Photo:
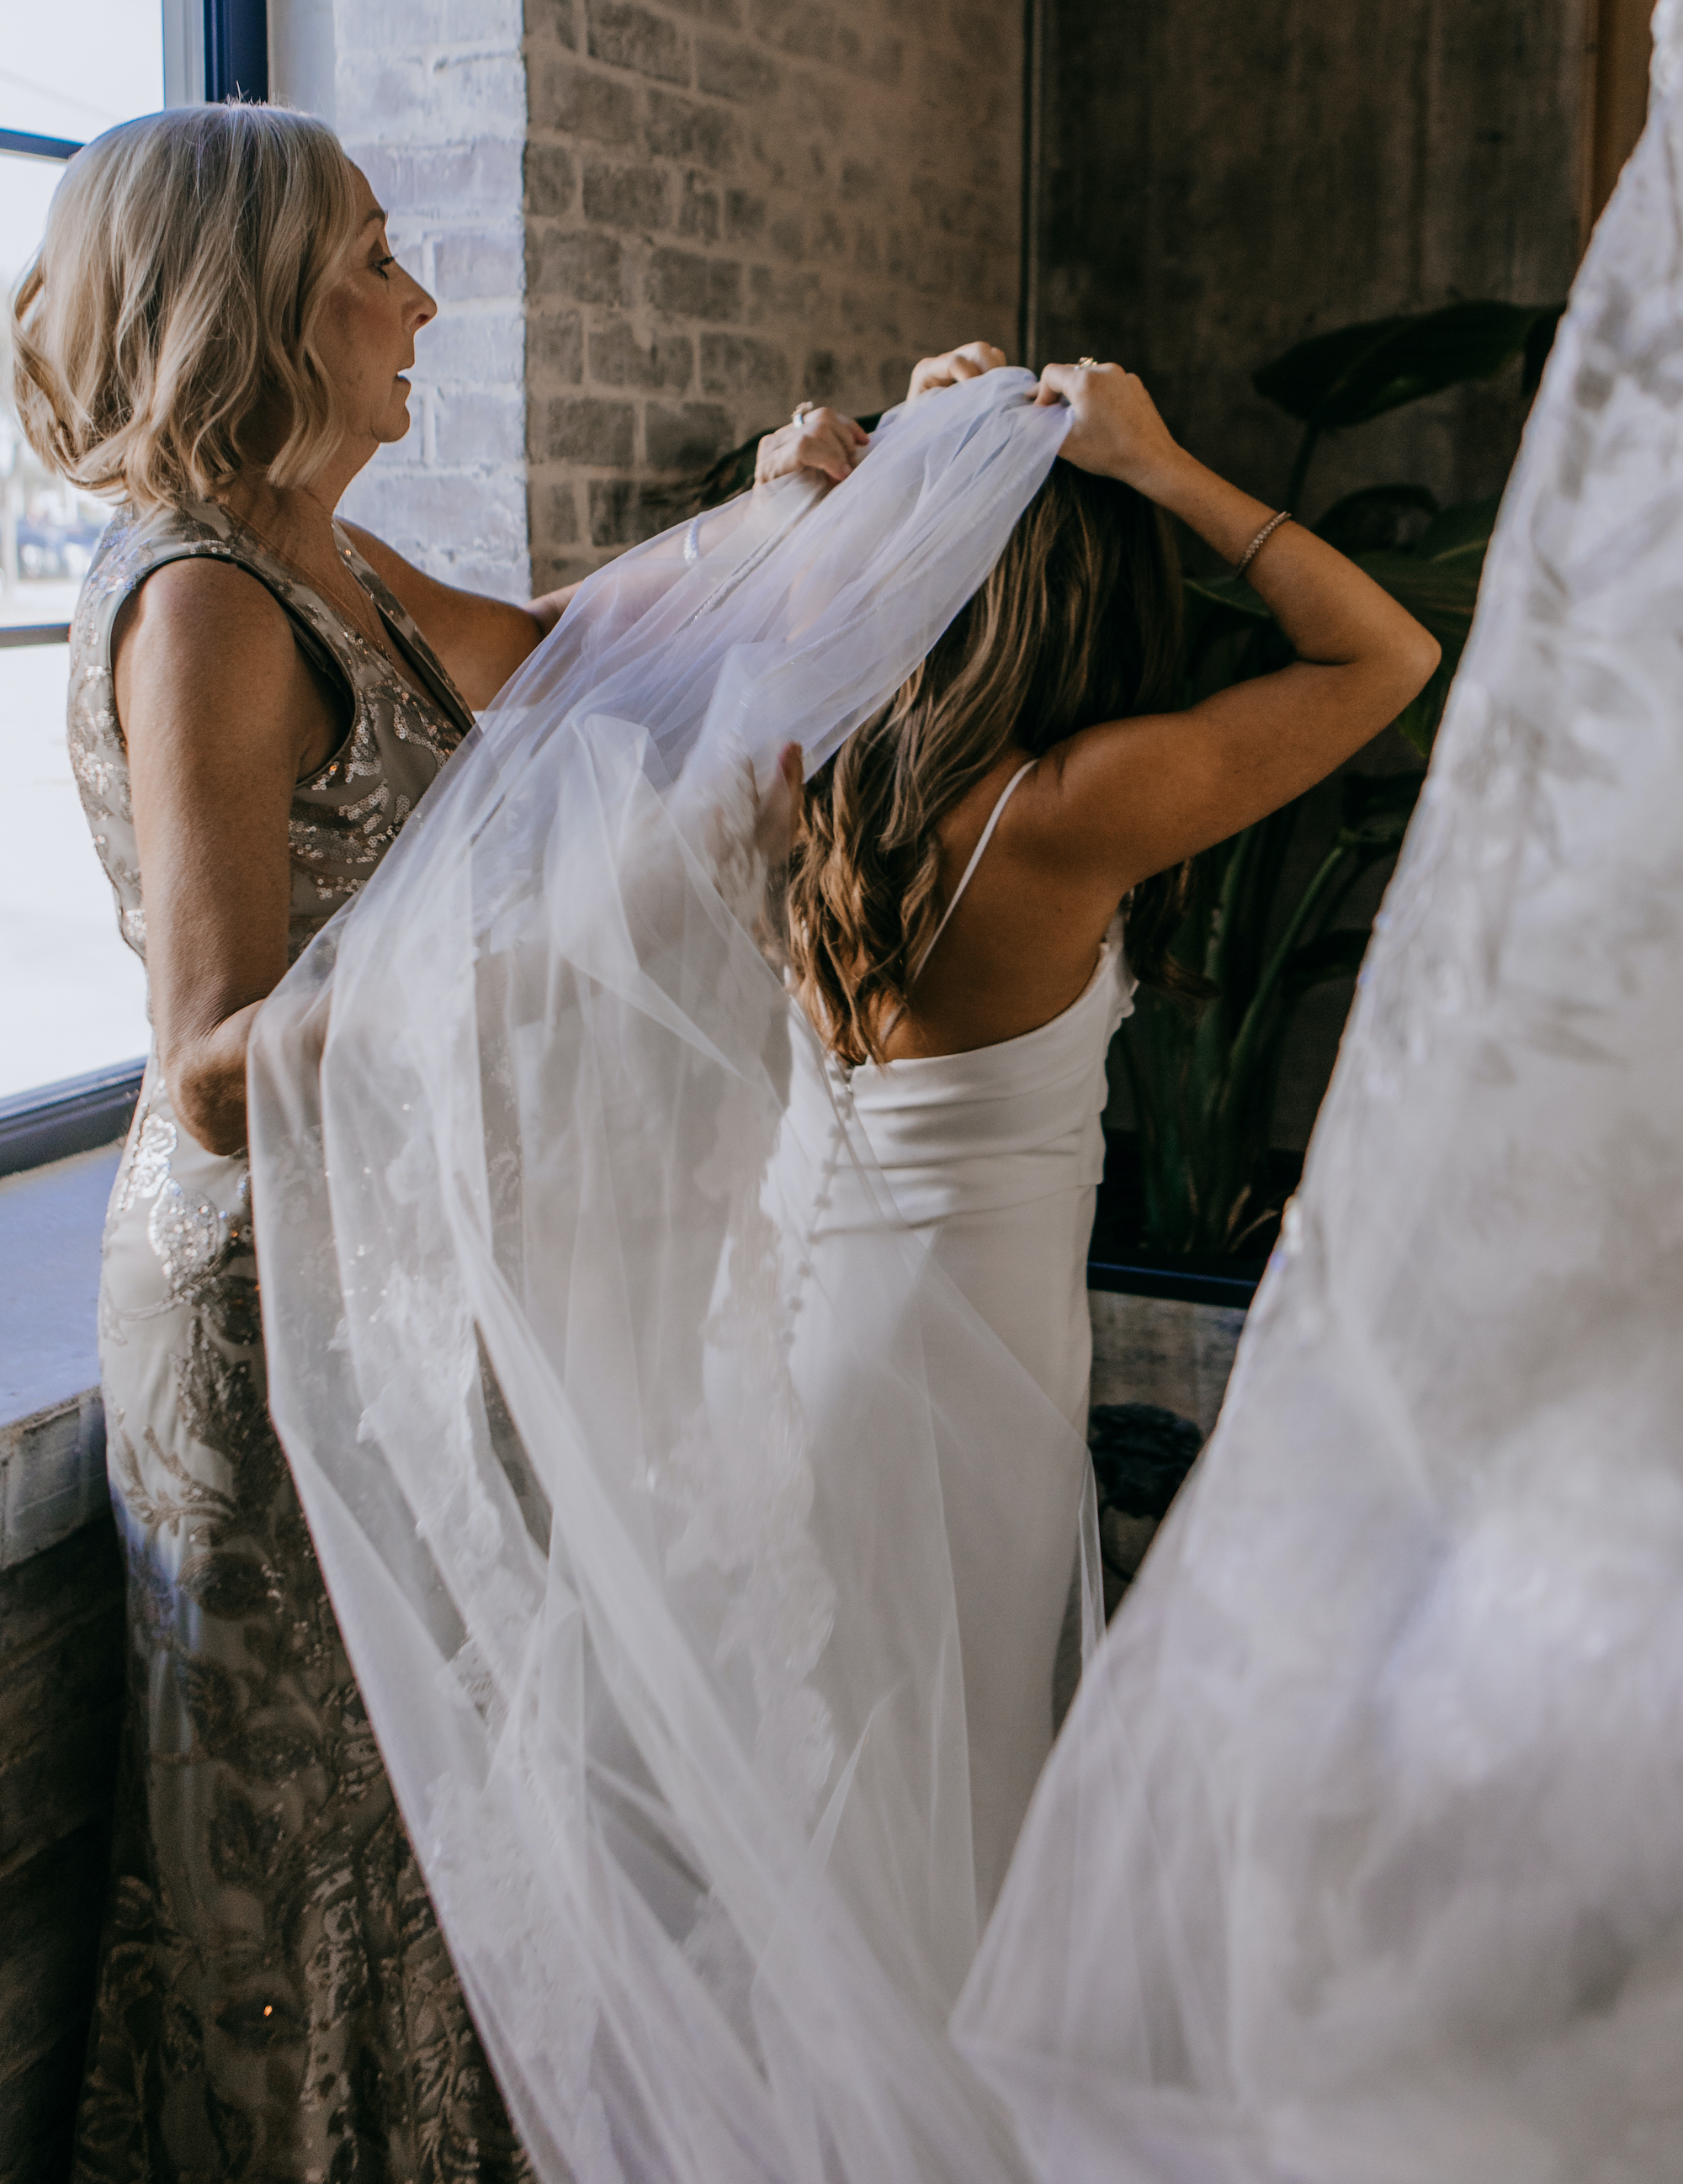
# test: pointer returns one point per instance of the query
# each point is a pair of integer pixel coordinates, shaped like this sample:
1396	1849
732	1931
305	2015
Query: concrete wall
734	204
1220	178
1215	180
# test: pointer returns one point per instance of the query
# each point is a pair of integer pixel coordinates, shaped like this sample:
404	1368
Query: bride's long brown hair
1078	622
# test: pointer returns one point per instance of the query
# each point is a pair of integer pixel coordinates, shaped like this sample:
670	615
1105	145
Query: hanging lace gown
275	2000
1360	1856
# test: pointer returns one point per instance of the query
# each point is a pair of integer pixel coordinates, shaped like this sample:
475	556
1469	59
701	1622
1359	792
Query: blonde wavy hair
178	286
1078	622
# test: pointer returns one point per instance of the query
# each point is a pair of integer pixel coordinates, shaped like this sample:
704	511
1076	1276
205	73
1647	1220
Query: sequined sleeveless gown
275	1999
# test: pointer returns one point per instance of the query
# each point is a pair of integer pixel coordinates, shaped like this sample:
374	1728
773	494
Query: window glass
71	68
72	995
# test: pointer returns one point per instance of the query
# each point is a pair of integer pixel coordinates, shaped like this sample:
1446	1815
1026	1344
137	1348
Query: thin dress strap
975	860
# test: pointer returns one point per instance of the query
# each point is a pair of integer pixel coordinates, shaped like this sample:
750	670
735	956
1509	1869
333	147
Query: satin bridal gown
993	1158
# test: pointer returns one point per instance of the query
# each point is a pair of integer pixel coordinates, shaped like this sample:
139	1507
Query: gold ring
802	411
1087	363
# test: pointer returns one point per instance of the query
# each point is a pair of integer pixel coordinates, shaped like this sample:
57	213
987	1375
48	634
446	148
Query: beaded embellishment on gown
275	1998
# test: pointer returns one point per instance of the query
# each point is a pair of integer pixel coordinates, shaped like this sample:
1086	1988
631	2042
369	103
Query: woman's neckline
405	668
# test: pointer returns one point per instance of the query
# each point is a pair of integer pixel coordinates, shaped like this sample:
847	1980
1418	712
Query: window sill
52	1425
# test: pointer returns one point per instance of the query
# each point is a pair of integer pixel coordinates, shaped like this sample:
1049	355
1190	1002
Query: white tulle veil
1360	1858
1358	1861
648	1592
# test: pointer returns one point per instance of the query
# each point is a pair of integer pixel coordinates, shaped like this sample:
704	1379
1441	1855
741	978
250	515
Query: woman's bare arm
221	716
481	641
1136	796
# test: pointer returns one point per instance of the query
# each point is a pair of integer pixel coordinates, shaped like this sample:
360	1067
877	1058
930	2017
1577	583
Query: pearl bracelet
1261	540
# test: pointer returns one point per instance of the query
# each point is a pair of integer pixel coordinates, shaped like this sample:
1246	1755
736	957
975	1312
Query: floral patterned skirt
275	1998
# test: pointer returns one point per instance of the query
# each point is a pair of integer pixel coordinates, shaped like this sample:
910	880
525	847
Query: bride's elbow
1415	661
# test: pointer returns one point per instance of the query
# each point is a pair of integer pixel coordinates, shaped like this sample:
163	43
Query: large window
72	997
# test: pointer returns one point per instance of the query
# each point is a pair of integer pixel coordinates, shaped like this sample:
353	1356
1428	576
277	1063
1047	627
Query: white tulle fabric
1360	1859
634	1471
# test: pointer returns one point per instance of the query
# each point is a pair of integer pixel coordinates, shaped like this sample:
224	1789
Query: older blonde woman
216	330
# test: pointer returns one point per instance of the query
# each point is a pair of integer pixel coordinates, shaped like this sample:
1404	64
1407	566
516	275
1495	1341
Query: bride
683	1365
956	942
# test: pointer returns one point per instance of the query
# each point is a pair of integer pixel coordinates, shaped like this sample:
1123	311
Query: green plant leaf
1465	529
1329	956
1368	519
1440	595
1204	1081
1359	372
1538	343
1375	811
1232	592
1305	380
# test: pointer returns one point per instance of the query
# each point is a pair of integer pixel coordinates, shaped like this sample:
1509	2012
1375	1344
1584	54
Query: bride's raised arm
1140	795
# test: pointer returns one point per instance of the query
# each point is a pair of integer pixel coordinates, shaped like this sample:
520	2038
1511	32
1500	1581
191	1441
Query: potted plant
1192	1201
1203	1079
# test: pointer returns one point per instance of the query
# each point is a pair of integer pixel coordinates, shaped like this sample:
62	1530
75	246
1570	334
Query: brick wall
652	229
431	103
734	204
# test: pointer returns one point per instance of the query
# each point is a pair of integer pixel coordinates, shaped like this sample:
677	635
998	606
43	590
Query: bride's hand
823	440
969	362
782	807
1117	430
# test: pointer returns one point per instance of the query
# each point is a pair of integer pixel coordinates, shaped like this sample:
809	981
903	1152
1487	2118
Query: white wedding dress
993	1158
695	1477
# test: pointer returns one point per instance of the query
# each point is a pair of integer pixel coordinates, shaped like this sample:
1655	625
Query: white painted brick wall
431	100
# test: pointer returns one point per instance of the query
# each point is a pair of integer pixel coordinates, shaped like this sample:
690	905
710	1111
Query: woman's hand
1133	796
1117	430
823	440
969	362
782	807
547	610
